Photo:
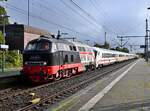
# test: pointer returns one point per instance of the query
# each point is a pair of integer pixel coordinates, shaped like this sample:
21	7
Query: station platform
10	73
127	89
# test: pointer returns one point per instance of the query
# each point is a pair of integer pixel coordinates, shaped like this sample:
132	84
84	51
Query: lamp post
148	39
4	34
4	24
28	12
146	42
149	30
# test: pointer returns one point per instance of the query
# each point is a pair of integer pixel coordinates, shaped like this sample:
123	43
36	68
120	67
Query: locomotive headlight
26	63
44	63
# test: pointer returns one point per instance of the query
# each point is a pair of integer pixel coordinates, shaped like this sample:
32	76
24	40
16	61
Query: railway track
8	81
14	88
53	92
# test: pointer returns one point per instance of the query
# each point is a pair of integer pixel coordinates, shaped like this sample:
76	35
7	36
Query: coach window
72	58
70	47
90	50
66	58
102	55
109	55
83	49
74	48
80	49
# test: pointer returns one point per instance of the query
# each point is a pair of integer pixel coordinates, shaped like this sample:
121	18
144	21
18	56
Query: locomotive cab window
43	46
71	48
31	46
40	45
74	48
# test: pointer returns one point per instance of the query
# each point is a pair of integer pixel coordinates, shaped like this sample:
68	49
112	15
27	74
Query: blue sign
142	46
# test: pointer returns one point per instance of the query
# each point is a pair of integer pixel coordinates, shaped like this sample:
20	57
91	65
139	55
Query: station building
18	35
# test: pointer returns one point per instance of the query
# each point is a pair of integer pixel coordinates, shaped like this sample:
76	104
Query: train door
95	58
60	54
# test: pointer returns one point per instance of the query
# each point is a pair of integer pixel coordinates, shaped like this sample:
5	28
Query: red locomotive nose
36	73
32	69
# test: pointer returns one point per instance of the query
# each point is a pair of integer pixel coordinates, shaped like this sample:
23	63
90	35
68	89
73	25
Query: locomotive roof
78	43
53	40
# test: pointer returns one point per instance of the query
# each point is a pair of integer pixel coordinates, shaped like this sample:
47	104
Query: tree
112	49
98	45
105	46
118	48
13	59
124	49
3	12
2	40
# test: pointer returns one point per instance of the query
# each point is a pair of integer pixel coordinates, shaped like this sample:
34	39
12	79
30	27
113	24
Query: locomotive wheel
69	73
75	71
93	67
58	76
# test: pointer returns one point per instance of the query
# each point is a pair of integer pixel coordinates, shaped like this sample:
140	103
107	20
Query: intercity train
48	58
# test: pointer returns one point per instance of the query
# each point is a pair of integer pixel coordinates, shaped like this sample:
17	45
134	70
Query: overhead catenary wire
89	15
24	12
98	11
85	18
106	14
101	13
86	13
63	14
94	3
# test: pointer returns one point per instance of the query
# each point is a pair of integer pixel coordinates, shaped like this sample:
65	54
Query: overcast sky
85	19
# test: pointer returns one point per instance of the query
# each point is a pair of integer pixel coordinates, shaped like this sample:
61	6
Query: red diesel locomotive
48	58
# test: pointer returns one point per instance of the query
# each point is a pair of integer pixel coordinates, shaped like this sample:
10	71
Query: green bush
12	59
1	38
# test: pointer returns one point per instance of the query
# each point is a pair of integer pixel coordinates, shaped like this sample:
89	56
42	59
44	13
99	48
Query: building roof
28	29
34	30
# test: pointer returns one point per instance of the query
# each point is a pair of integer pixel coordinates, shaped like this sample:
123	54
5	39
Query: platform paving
131	92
